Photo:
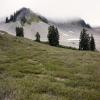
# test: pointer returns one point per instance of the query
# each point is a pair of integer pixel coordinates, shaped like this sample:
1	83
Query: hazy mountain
69	30
32	23
25	12
74	24
26	15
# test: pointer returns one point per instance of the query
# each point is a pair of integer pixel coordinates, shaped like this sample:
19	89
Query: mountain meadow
36	71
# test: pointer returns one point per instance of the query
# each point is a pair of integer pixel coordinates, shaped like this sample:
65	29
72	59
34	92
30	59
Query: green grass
37	71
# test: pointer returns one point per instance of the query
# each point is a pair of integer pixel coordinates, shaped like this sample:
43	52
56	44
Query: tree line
13	18
86	42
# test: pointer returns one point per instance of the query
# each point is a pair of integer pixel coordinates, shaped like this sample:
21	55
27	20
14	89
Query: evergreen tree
19	32
92	43
11	18
14	17
53	36
23	20
84	43
7	20
37	37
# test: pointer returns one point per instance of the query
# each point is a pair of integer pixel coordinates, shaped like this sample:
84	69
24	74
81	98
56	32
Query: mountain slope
35	71
73	24
33	23
26	15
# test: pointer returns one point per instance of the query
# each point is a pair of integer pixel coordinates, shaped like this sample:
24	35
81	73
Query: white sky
89	10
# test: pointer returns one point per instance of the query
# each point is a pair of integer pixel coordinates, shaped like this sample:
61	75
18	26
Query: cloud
56	9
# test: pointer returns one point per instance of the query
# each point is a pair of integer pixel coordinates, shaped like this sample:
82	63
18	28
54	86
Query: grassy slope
34	71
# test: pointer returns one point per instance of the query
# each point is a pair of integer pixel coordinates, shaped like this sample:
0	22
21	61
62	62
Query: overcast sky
89	10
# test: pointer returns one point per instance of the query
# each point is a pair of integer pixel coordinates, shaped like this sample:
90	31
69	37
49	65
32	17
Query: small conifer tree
53	36
92	43
84	40
7	20
37	37
19	32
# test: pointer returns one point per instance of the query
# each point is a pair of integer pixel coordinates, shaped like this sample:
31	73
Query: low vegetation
34	71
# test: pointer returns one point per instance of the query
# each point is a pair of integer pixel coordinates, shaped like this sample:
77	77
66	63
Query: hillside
36	71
